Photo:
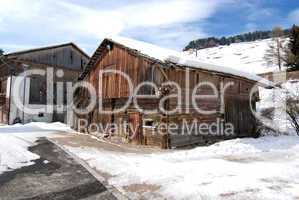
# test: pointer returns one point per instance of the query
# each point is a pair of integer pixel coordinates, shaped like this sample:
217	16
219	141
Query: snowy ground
244	56
265	168
15	140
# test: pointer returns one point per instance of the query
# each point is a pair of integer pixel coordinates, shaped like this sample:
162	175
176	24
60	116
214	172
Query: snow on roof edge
167	55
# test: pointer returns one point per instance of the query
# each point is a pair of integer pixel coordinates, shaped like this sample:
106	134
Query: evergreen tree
212	43
246	37
293	51
223	41
1	55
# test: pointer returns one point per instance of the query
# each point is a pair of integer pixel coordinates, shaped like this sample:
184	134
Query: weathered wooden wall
114	90
4	100
4	109
64	56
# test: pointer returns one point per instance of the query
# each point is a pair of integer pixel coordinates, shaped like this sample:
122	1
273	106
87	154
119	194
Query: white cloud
175	36
64	20
168	12
148	14
294	17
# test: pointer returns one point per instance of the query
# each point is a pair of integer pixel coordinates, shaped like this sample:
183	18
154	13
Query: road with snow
42	170
264	168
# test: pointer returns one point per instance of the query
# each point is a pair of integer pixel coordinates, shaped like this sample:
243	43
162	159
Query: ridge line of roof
49	47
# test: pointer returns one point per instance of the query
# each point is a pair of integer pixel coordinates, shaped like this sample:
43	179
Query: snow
244	56
46	162
276	98
14	153
166	55
16	139
34	127
264	168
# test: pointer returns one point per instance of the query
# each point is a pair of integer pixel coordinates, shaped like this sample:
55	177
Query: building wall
16	112
4	100
281	77
43	116
65	56
115	92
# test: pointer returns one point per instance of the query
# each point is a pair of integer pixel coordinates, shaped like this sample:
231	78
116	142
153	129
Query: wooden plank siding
4	109
67	56
139	68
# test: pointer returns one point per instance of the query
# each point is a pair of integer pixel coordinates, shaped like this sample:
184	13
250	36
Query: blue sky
169	23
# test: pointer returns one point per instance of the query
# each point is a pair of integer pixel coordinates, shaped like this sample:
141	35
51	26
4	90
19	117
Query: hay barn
146	62
68	58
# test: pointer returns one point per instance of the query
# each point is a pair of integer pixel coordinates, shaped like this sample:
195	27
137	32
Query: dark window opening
64	94
197	78
82	64
1	87
149	122
38	90
71	57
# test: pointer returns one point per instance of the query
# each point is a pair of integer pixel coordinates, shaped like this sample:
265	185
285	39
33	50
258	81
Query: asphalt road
55	176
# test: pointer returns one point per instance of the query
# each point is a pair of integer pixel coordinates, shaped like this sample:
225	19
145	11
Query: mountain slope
245	56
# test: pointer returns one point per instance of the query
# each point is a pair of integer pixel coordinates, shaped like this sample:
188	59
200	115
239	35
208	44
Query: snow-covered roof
167	55
170	56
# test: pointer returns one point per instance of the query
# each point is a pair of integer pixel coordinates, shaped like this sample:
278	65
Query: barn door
237	112
135	127
246	119
232	113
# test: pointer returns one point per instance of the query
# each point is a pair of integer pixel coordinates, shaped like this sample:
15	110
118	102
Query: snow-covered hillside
245	56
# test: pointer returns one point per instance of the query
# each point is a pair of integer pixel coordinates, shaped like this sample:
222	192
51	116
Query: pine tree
293	51
1	56
223	41
275	52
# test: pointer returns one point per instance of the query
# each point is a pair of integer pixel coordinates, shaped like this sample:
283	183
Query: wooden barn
68	58
146	62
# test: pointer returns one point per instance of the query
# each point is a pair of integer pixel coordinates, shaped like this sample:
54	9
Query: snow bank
33	127
235	169
166	55
14	153
15	140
